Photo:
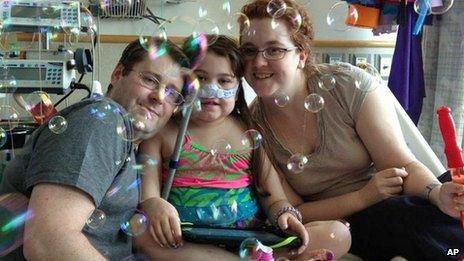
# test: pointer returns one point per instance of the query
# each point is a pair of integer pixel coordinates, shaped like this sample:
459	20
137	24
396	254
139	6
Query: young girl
216	187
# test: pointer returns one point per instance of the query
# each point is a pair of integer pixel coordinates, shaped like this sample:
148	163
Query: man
89	168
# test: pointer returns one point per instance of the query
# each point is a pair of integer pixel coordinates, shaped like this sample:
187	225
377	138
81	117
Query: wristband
288	209
429	188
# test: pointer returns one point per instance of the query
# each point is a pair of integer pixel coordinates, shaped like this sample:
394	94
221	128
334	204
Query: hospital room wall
110	52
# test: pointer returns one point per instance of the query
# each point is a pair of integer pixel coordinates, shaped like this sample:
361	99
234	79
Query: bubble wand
424	6
194	48
452	150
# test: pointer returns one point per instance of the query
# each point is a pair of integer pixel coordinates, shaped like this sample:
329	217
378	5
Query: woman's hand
289	223
450	198
384	184
164	222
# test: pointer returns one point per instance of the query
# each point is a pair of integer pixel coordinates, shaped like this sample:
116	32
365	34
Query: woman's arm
399	171
379	129
332	208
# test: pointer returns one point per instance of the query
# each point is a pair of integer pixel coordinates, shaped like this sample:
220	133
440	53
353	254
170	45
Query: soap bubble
103	110
3	137
39	104
206	26
281	100
149	38
370	69
422	7
9	115
144	163
191	87
195	48
314	103
96	219
291	25
136	226
221	146
251	139
276	8
88	20
327	82
13	215
338	14
243	22
202	10
248	248
57	124
297	163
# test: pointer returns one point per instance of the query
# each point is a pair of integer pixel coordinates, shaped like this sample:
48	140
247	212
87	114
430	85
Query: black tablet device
233	237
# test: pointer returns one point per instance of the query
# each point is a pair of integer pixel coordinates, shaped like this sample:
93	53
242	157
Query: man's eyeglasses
171	95
270	53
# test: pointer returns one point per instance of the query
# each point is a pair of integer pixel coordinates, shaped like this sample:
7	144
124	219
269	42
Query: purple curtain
406	79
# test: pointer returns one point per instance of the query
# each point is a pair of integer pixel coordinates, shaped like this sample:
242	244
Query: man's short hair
135	53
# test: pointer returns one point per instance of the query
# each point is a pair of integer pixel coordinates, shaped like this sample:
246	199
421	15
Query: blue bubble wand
424	5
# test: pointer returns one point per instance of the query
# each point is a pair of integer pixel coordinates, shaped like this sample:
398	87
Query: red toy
452	149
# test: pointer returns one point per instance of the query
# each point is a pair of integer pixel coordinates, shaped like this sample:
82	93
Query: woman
349	159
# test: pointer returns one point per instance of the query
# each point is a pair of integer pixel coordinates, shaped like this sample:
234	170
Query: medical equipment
25	15
24	76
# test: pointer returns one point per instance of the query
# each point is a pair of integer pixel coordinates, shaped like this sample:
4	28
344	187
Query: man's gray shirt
90	156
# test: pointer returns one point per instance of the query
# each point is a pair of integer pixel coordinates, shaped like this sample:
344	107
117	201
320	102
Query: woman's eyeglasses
270	53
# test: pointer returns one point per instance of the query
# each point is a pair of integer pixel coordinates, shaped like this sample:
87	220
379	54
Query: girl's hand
289	223
164	222
451	198
384	184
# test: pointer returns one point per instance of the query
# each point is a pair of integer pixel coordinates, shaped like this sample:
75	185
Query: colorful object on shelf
384	16
368	17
